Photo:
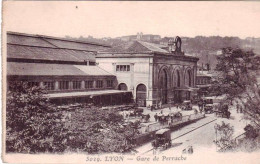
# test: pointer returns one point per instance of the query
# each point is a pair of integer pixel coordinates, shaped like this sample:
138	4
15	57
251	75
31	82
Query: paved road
187	138
201	138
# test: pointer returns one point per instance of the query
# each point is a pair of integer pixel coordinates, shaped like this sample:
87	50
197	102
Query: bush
94	130
34	125
250	132
225	136
31	123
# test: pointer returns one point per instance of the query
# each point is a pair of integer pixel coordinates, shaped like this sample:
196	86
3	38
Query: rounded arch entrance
188	82
122	86
178	79
188	78
163	85
141	95
177	85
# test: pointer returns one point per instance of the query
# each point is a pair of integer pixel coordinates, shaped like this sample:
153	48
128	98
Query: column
41	84
70	85
94	84
149	100
82	84
194	74
56	85
114	67
132	87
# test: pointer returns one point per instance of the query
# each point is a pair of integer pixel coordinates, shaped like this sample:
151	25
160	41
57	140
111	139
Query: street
200	134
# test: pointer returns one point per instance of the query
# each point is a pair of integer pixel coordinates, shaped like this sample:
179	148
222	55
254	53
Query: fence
174	122
237	141
148	132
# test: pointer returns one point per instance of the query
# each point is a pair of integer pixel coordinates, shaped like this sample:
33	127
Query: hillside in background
206	48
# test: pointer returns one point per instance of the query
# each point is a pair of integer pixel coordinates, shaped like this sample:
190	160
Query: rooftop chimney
171	45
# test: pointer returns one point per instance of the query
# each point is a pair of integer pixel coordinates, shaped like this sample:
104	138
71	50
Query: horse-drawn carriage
162	139
145	117
207	102
223	111
208	108
186	105
136	112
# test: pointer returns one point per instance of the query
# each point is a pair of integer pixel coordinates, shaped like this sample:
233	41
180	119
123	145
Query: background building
156	74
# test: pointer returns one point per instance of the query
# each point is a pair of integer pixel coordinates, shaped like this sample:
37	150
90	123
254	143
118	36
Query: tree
225	136
95	130
35	125
31	123
238	70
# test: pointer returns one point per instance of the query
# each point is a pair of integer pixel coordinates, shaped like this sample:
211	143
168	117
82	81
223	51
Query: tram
162	139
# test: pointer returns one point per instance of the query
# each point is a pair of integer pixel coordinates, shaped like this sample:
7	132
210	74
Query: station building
65	67
155	74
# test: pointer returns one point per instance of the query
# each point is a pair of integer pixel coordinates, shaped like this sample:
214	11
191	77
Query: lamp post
216	130
203	101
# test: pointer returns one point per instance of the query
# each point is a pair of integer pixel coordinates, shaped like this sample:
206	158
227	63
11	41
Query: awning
161	131
84	94
187	89
43	69
204	86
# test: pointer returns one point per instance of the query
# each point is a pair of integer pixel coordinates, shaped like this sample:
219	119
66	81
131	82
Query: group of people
163	119
146	118
239	108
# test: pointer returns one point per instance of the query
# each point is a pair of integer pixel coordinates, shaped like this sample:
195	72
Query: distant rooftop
204	73
137	46
56	38
39	47
43	69
142	49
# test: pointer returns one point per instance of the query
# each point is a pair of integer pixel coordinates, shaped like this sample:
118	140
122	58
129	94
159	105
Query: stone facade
167	77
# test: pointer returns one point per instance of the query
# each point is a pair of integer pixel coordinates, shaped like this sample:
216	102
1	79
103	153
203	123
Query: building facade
204	82
156	74
66	68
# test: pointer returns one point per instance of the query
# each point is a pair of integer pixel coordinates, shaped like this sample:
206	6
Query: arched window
141	95
190	78
163	85
122	86
178	78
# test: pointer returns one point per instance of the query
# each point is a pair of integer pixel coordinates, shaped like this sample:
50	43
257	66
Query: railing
174	122
236	139
156	126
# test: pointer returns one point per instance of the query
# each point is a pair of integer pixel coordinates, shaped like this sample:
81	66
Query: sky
113	19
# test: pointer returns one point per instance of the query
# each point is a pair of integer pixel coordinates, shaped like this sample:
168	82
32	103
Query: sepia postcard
131	82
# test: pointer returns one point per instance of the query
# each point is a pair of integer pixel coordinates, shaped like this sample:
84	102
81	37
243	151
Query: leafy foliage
100	131
34	125
238	70
31	121
251	132
225	135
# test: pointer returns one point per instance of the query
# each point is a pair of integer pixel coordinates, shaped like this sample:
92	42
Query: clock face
178	44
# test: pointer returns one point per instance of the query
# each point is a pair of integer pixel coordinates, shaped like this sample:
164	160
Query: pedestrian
161	112
155	117
170	107
148	117
237	108
148	107
190	150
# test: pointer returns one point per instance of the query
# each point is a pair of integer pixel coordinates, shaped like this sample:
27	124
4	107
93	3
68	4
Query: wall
145	70
56	80
171	65
140	71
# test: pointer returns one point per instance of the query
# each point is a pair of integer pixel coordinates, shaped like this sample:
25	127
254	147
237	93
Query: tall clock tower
178	44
